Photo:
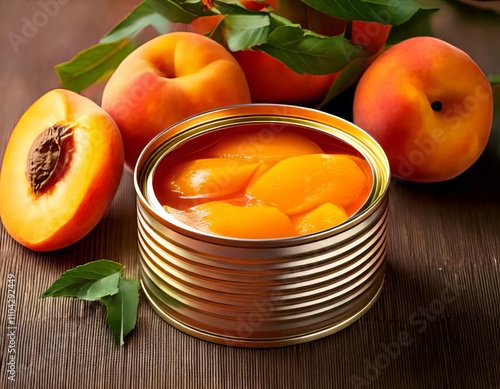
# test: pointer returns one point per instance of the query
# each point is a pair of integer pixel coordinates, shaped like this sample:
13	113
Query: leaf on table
381	11
90	281
102	280
138	19
93	64
121	309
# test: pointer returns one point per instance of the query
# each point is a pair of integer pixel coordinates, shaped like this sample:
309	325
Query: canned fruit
320	218
286	186
167	79
61	169
325	278
433	122
354	205
299	184
271	147
248	222
209	178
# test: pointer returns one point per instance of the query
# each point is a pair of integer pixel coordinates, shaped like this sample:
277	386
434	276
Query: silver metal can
262	292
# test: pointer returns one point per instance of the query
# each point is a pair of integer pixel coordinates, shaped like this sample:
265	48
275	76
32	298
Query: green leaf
307	52
381	11
99	61
90	281
494	79
102	280
232	8
347	77
240	28
244	31
179	11
93	64
140	17
121	309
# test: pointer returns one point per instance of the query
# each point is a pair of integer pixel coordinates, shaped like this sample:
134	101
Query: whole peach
429	106
271	81
168	79
371	35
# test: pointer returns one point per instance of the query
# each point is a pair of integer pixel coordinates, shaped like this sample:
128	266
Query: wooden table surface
436	324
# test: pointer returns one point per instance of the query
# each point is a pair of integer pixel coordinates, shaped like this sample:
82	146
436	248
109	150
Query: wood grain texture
436	324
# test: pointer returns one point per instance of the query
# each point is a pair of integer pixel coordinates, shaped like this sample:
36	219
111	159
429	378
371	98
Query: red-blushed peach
429	106
271	81
168	79
371	35
61	169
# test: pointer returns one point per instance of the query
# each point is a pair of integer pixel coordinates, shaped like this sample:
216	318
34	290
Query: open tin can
262	292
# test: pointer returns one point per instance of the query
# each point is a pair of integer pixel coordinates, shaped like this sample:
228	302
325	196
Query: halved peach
324	216
252	221
265	145
208	178
61	169
299	184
